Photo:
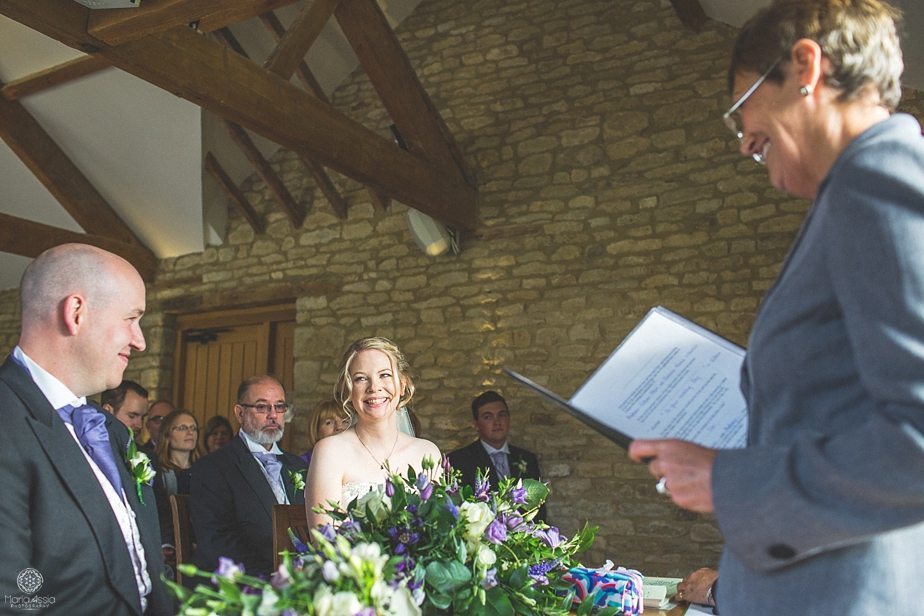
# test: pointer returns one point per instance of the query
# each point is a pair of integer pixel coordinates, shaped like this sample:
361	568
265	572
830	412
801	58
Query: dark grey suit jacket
54	516
231	507
523	464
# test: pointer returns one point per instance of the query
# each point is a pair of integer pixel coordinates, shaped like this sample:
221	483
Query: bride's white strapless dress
354	489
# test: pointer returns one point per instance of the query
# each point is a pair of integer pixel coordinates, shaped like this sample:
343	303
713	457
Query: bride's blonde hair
343	388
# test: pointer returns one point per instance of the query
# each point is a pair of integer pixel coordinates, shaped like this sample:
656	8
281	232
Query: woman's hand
686	468
696	587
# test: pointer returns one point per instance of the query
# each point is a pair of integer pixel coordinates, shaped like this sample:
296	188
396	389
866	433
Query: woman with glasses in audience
176	450
373	383
823	511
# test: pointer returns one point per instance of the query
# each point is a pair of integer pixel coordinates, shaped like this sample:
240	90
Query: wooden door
218	350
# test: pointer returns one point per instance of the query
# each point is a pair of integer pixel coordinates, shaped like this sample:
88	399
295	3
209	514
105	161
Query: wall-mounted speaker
432	236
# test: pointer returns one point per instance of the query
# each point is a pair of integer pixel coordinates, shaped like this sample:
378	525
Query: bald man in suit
75	534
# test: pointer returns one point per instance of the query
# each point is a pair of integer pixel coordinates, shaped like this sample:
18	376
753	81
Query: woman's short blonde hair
859	38
402	369
324	410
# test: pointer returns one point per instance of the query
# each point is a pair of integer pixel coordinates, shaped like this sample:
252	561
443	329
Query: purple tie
90	428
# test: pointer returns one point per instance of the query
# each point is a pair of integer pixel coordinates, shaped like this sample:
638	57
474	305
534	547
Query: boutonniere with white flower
139	464
298	479
520	465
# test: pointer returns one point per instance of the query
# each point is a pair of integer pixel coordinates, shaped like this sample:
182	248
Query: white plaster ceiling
142	147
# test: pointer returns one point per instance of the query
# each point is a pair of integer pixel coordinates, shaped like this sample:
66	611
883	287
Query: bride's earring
806	90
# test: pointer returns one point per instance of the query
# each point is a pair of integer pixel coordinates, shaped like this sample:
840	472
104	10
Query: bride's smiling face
376	384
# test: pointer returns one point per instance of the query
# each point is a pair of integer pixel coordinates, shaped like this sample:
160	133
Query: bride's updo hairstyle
399	366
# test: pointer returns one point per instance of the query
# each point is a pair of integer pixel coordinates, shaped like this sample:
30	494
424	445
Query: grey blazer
823	512
54	516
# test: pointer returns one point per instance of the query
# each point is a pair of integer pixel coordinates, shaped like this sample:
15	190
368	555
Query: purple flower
518	495
405	566
427	492
513	522
327	531
422	481
496	531
538	572
350	528
389	488
227	568
280	578
551	537
411	509
453	509
402	538
482	488
366	611
490	578
447	467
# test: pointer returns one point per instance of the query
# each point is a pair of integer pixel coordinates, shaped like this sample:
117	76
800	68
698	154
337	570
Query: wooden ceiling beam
690	13
391	73
117	26
317	170
28	238
210	75
323	181
304	73
215	169
53	76
59	175
303	32
293	209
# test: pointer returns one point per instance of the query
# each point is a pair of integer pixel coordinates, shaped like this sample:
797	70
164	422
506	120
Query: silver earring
806	90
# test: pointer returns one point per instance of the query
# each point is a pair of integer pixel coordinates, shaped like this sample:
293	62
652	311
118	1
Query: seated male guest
233	489
74	527
128	403
156	413
491	419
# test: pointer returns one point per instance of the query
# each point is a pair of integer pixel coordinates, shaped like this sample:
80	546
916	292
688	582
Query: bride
373	383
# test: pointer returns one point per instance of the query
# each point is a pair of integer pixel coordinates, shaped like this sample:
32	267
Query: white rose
323	601
402	603
477	516
267	605
485	556
345	604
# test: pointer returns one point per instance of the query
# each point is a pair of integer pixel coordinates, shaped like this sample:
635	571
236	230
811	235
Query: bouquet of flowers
423	545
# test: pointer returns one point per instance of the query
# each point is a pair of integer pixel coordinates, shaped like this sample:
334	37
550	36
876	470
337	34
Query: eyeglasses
186	428
263	408
156	419
729	119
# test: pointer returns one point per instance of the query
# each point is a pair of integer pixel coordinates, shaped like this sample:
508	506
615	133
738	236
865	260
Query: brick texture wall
607	183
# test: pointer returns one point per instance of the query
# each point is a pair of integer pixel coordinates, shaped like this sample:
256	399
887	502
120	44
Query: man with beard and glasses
233	489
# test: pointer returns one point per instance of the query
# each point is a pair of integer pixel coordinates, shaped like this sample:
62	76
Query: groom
76	535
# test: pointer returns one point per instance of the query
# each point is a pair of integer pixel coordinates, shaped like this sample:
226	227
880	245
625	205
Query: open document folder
669	378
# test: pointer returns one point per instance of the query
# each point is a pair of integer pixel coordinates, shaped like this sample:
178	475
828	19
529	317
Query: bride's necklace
377	461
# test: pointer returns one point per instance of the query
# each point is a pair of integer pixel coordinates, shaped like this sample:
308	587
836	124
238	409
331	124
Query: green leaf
447	576
536	493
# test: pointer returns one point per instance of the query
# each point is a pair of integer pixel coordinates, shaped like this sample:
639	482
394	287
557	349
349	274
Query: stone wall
607	183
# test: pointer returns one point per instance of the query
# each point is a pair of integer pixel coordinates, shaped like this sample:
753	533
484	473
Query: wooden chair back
284	518
182	531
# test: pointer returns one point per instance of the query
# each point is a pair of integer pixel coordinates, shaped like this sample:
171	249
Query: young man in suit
491	419
128	403
233	489
74	530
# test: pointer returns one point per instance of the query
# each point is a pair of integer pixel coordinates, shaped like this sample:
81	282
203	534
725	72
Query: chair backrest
284	518
182	530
